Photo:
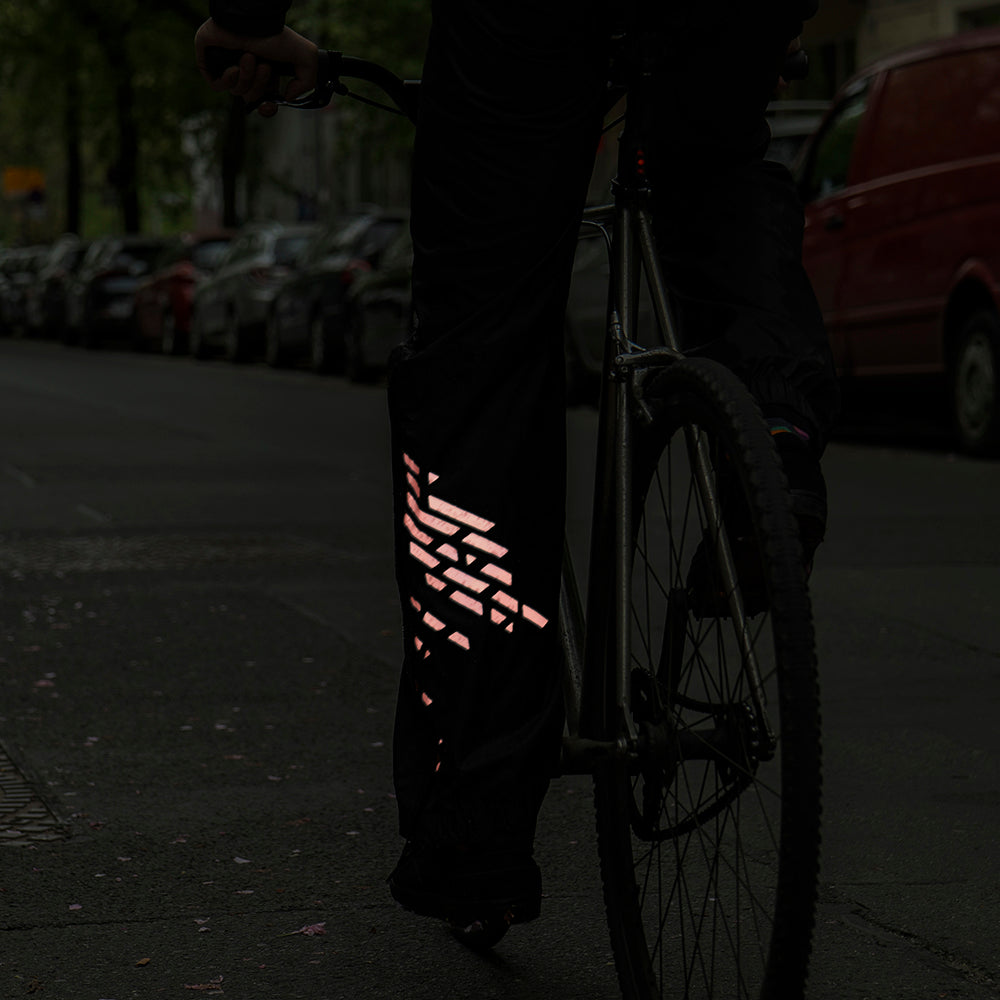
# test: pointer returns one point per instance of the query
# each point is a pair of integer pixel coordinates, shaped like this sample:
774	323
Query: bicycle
691	684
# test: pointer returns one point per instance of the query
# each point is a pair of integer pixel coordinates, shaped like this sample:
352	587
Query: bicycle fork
613	523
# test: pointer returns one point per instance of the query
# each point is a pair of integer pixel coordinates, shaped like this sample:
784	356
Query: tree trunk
74	161
128	150
233	151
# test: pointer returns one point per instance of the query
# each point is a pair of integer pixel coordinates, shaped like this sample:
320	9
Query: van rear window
939	110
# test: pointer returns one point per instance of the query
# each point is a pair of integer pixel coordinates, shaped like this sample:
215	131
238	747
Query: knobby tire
709	850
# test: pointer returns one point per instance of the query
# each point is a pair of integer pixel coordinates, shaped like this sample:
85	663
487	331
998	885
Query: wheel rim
703	819
975	385
689	815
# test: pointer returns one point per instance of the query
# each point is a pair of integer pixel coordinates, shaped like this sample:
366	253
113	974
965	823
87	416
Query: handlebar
404	94
332	69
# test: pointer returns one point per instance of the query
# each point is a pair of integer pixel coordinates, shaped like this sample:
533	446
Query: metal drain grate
24	817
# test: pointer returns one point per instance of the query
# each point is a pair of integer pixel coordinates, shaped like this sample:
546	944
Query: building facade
847	35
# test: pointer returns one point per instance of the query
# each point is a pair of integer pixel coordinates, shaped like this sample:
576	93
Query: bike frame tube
603	678
628	254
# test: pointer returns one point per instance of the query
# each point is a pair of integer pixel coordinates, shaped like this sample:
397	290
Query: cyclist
510	116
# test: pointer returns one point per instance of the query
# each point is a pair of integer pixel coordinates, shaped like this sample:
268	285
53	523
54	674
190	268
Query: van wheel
974	384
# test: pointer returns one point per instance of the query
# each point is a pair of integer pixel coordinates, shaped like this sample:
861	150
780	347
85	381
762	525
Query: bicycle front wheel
709	837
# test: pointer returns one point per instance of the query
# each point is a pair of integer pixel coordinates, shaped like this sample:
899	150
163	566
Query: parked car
46	295
308	318
229	310
791	124
163	299
100	299
378	310
902	238
19	270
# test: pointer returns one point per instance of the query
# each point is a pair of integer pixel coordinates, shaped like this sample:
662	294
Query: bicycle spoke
692	840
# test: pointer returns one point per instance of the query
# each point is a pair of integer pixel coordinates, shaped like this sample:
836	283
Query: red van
902	241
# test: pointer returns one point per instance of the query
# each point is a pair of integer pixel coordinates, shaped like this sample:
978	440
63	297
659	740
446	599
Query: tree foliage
95	93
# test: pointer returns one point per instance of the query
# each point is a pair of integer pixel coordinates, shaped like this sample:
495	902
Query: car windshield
288	248
348	237
381	232
207	255
74	257
138	256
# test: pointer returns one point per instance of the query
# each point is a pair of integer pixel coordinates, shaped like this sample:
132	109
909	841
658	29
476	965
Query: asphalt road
198	654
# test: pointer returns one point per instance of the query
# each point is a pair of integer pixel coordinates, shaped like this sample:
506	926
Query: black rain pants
511	109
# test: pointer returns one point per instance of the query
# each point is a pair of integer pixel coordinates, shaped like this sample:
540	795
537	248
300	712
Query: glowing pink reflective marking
485	545
459	640
434	582
448	551
434	623
412	528
533	616
429	519
426	699
467	602
498	574
418	643
432	477
506	600
469	582
414	485
510	627
469	560
498	617
425	557
427	653
415	603
411	465
457	514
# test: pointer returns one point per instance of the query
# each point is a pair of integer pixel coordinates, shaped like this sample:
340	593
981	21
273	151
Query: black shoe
807	489
464	887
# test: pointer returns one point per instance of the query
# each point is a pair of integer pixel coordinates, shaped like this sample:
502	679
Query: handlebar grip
218	60
795	66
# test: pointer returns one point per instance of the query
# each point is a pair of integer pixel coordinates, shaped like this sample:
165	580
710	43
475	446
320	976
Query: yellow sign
22	180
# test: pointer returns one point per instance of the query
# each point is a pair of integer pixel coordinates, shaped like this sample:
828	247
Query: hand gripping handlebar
404	94
332	68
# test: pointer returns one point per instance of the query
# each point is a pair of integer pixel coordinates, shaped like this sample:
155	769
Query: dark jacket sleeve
250	17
